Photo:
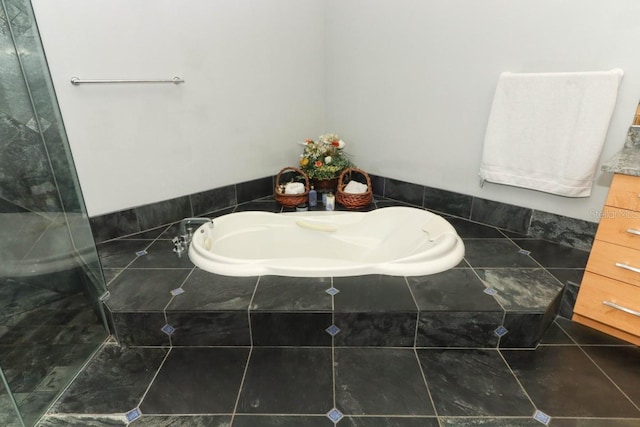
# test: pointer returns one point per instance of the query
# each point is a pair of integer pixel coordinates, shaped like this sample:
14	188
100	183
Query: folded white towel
546	131
294	188
355	187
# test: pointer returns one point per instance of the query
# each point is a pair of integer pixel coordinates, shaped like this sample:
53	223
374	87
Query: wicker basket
353	201
291	200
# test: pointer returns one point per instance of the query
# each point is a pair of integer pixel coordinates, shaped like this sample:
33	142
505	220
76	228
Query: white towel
294	188
355	187
546	131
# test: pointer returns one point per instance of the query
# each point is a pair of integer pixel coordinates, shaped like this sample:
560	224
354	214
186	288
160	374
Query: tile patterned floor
576	376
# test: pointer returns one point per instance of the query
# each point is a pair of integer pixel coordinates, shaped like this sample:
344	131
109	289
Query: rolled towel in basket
355	187
294	188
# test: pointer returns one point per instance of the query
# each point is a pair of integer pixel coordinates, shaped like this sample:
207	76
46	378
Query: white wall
410	82
254	86
407	83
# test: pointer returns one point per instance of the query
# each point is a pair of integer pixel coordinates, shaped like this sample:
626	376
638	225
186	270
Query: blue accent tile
177	291
524	252
333	330
168	329
542	417
335	415
141	253
133	414
501	331
332	291
490	291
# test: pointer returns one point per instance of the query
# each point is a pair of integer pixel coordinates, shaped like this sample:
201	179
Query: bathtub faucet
185	233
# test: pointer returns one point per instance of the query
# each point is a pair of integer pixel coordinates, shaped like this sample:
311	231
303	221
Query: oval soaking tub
399	241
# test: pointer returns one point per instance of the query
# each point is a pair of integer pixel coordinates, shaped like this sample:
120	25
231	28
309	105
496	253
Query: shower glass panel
51	317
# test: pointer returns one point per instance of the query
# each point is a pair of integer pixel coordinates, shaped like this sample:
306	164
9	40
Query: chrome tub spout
185	233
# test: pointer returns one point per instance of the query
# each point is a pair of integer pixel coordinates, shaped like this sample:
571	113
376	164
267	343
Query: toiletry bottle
313	197
324	198
331	202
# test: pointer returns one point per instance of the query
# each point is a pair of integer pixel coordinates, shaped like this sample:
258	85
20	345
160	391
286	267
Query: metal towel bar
77	81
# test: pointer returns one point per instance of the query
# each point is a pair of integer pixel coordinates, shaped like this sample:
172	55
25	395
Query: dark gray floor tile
199	328
594	422
373	293
57	420
375	329
197	381
113	382
281	421
472	230
453	290
585	335
622	365
279	293
304	377
497	253
388	422
395	376
555	335
290	329
204	291
525	330
144	290
553	255
139	328
458	329
563	382
183	421
522	289
473	383
160	255
490	422
120	253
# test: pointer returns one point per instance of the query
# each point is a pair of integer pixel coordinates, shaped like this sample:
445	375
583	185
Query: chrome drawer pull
633	231
628	267
621	308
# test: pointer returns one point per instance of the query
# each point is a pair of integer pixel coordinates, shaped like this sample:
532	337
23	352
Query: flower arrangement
324	159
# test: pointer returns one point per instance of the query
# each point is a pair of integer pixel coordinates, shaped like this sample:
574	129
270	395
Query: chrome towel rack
78	81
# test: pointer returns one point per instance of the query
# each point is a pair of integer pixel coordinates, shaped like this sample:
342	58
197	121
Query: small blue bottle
313	197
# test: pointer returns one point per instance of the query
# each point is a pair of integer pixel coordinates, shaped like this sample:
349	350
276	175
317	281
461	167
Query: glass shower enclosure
51	316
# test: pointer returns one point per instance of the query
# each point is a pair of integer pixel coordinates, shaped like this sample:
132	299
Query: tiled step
462	307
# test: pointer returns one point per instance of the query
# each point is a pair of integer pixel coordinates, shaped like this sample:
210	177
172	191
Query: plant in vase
324	160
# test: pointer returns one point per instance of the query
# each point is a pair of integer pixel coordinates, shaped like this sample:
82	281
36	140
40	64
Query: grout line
166	356
426	384
608	377
253	295
535	407
244	376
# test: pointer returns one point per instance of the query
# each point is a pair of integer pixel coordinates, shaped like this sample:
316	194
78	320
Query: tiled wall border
524	221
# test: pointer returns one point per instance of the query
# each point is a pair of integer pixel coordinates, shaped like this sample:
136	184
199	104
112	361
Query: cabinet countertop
627	160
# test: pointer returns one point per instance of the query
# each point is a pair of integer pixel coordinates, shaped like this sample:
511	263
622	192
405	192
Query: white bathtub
398	241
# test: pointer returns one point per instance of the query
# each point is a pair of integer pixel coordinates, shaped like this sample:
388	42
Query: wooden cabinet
609	296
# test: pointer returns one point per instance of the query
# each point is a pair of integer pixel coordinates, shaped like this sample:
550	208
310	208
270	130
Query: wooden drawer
610	260
620	226
595	290
624	192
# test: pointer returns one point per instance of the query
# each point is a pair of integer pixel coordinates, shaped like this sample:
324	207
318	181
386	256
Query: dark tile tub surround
135	220
527	222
